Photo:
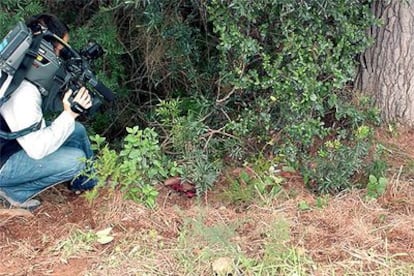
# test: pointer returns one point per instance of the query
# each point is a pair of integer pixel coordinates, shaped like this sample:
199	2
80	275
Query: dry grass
347	236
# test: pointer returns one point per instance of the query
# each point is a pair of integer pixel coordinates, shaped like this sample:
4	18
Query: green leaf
303	206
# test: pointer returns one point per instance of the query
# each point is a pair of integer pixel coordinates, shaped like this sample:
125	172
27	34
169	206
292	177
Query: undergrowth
218	83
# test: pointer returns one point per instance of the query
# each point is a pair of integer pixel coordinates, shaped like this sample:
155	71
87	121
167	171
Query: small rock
223	266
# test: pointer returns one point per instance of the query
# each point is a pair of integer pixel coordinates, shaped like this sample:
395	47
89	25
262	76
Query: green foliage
200	171
108	158
376	186
78	241
378	166
234	78
297	59
303	206
279	257
14	11
137	168
336	163
166	46
322	201
225	81
240	191
142	165
254	122
377	182
187	139
255	183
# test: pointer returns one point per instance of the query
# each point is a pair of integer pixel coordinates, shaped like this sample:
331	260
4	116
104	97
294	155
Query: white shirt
23	109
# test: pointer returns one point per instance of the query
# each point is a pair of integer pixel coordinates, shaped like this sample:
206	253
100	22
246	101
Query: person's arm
24	109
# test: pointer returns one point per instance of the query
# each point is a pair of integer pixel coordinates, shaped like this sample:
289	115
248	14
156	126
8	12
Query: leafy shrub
298	58
376	186
137	167
224	81
258	182
190	141
281	72
337	163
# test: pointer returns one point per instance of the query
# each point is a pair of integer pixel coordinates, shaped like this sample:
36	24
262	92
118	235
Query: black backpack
8	143
18	76
7	146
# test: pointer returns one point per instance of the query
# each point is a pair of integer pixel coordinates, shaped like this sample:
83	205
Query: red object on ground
182	187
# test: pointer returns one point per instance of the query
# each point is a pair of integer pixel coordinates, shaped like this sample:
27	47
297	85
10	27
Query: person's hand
83	98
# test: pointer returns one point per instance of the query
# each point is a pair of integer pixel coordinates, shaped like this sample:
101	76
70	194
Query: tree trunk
387	68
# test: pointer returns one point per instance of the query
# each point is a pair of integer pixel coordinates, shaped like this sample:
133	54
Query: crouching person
52	154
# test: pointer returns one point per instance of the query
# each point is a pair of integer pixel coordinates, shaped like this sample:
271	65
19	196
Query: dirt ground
53	240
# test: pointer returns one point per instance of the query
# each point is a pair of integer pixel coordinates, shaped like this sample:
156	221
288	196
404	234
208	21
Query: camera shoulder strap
18	77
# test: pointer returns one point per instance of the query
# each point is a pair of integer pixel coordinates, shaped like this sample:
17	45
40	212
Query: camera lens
92	51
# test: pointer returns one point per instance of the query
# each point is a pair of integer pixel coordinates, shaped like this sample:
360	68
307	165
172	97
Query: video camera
77	73
71	70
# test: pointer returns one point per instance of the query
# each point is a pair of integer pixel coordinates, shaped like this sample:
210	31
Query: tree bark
387	68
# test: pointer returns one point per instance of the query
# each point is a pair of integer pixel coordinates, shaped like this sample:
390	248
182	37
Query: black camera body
78	73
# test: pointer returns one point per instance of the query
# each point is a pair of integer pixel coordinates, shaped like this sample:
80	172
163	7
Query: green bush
191	141
299	59
225	81
136	168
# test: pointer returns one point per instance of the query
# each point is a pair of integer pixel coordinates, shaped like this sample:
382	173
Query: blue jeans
22	177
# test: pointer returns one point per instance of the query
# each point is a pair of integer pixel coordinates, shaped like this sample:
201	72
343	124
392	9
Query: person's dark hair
50	21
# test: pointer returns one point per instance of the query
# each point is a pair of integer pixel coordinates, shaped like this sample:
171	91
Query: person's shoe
28	204
82	184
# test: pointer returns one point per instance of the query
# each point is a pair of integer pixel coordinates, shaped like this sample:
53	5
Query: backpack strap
3	78
15	83
19	133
